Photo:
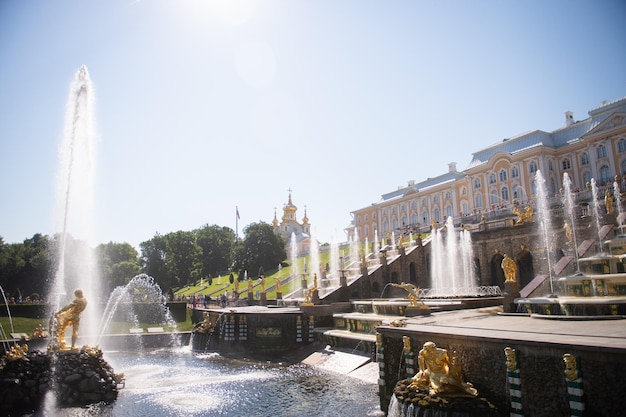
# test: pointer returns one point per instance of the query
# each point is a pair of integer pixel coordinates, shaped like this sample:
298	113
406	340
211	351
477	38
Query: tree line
174	259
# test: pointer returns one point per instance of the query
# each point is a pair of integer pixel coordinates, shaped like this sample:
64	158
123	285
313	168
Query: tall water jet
568	202
314	258
354	250
334	258
545	223
452	261
376	248
74	207
617	194
293	256
596	210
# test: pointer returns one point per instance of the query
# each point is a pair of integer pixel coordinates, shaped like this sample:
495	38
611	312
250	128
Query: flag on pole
237	208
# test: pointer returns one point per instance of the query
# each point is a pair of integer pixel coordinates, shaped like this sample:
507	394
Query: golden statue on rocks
440	374
510	269
70	316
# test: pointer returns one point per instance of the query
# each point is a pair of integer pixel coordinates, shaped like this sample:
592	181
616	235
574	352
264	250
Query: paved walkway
490	323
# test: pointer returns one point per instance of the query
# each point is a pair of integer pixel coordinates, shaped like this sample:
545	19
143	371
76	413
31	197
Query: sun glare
225	12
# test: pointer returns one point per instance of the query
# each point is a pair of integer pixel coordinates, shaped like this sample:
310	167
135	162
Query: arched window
414	219
464	207
425	217
514	172
532	167
621	145
447	195
477	183
437	215
566	164
463	191
605	174
492	178
503	176
449	210
516	191
622	167
478	200
367	230
587	177
358	219
367	217
494	196
601	151
584	159
505	193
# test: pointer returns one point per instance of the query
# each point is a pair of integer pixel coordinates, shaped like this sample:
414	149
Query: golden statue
277	284
440	374
16	352
568	231
511	358
571	369
608	201
39	332
308	298
406	341
236	285
205	326
525	216
250	286
314	282
414	298
70	316
510	269
262	278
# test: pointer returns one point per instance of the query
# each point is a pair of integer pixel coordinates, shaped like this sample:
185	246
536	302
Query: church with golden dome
289	227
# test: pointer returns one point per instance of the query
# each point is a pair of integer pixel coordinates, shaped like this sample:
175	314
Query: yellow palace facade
503	176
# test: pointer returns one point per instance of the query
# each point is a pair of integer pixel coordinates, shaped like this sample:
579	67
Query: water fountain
598	286
452	260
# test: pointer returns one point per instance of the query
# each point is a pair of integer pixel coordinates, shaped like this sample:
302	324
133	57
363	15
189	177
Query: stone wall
544	393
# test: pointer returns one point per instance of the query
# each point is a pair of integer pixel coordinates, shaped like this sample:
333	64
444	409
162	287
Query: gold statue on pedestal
510	269
525	216
70	316
440	374
278	285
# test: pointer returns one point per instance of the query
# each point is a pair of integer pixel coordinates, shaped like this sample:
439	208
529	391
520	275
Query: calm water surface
181	383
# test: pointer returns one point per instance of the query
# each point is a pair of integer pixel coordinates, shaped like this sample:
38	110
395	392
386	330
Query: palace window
505	193
566	164
514	172
477	183
492	179
494	196
503	175
478	200
447	195
532	167
605	175
601	151
621	145
584	159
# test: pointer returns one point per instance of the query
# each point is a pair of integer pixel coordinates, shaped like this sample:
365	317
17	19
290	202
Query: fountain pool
177	382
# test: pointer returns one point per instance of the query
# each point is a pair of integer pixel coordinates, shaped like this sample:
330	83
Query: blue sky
202	106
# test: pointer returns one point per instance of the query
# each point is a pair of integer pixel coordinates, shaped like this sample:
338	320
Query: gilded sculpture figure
608	201
571	368
70	316
278	285
525	216
510	269
440	374
413	293
511	358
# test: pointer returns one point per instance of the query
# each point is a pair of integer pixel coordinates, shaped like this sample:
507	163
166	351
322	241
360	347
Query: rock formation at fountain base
76	377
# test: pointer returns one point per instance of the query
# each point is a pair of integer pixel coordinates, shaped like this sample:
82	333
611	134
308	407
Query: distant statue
511	358
434	225
510	269
308	298
236	286
314	282
205	326
278	285
250	286
262	278
413	293
571	369
440	374
525	216
568	231
608	201
406	342
70	316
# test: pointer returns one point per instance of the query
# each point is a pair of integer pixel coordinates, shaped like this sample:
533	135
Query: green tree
183	255
260	248
154	258
118	263
216	249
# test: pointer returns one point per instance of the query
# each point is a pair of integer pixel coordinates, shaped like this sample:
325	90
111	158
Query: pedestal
250	298
412	311
315	296
279	295
511	292
263	299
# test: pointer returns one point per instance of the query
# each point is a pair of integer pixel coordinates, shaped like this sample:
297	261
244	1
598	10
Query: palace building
502	176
